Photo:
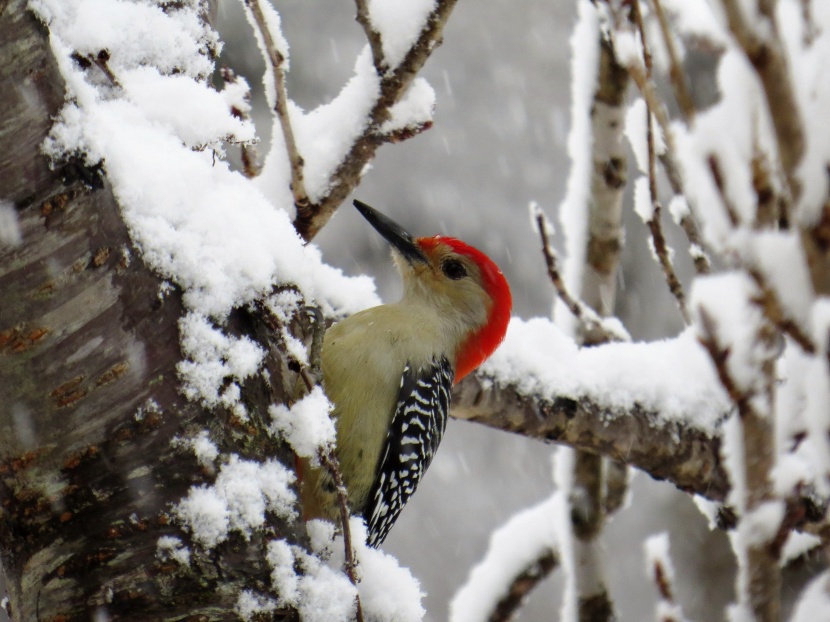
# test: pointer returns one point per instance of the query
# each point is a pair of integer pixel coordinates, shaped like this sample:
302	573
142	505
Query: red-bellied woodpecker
389	371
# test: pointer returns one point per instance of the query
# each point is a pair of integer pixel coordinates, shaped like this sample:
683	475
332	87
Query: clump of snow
237	501
637	134
798	543
172	548
320	593
673	377
387	590
760	525
513	548
204	448
628	48
213	357
399	22
415	108
657	553
307	425
643	205
679	209
206	515
250	604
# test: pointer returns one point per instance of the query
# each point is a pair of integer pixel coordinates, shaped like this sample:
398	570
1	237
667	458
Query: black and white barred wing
416	431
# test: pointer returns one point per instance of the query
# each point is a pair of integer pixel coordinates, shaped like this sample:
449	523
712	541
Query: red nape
481	344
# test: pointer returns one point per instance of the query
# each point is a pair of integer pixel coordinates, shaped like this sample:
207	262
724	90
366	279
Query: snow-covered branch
397	60
658	407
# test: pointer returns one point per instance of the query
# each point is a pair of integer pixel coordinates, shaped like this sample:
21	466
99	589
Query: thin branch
676	73
331	463
654	224
536	572
373	36
277	61
312	217
717	176
586	316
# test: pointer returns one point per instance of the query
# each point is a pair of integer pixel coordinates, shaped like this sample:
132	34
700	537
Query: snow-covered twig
661	570
586	316
767	56
520	555
641	76
372	35
769	300
248	152
654	223
770	303
276	60
522	585
393	84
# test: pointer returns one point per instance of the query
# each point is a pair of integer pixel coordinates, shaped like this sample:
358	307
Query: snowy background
498	142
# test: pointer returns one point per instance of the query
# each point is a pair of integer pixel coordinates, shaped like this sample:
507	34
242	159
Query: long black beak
393	232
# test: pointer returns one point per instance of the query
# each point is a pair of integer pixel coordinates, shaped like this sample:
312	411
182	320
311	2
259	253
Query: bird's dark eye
454	269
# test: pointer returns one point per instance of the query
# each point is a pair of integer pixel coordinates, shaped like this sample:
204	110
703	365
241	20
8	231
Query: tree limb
686	456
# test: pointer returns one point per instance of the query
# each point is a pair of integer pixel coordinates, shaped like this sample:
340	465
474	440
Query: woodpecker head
466	289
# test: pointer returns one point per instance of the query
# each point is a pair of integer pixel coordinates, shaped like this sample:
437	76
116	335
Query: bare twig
394	83
590	321
522	585
329	460
655	224
277	62
676	73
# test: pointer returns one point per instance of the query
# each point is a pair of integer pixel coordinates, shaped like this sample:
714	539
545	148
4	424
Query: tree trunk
89	391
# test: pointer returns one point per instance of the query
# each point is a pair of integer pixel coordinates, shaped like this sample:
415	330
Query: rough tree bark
88	387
